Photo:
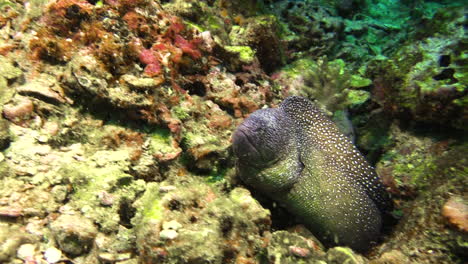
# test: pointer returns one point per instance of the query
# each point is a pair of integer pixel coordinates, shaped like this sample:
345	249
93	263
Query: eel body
298	157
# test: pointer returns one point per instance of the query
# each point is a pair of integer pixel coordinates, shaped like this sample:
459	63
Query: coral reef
234	224
309	29
261	33
5	137
117	119
325	82
286	247
425	172
429	83
73	233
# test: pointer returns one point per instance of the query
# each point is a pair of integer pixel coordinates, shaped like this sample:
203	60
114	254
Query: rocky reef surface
117	116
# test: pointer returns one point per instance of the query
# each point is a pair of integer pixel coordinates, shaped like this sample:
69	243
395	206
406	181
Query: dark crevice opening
126	213
196	88
444	60
446	74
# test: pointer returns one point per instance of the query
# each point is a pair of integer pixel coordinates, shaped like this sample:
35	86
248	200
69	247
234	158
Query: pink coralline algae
19	112
188	47
148	57
153	67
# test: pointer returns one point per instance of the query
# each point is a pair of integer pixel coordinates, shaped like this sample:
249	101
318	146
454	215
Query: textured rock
391	257
262	34
7	70
455	210
5	136
286	247
11	237
74	234
339	255
18	111
44	88
26	252
199	224
52	255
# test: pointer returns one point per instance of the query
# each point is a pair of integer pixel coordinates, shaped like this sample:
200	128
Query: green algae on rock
64	158
5	136
326	82
424	170
338	255
290	248
246	54
308	29
102	188
163	145
74	234
425	80
261	33
298	157
8	72
195	222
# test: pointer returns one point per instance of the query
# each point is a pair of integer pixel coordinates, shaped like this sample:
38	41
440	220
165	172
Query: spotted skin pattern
298	157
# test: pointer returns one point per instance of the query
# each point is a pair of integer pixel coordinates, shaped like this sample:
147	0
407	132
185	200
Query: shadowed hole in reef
228	255
125	181
239	82
193	219
226	226
196	88
174	205
446	74
227	109
126	212
195	204
210	2
281	219
444	60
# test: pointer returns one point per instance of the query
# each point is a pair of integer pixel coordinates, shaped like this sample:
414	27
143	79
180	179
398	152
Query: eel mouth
243	146
248	151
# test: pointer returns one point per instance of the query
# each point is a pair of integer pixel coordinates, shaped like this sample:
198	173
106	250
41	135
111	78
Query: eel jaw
243	147
249	147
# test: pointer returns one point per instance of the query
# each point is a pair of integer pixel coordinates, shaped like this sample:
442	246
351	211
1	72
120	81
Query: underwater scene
241	131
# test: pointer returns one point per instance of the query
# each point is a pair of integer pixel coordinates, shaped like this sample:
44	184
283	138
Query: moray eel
297	156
